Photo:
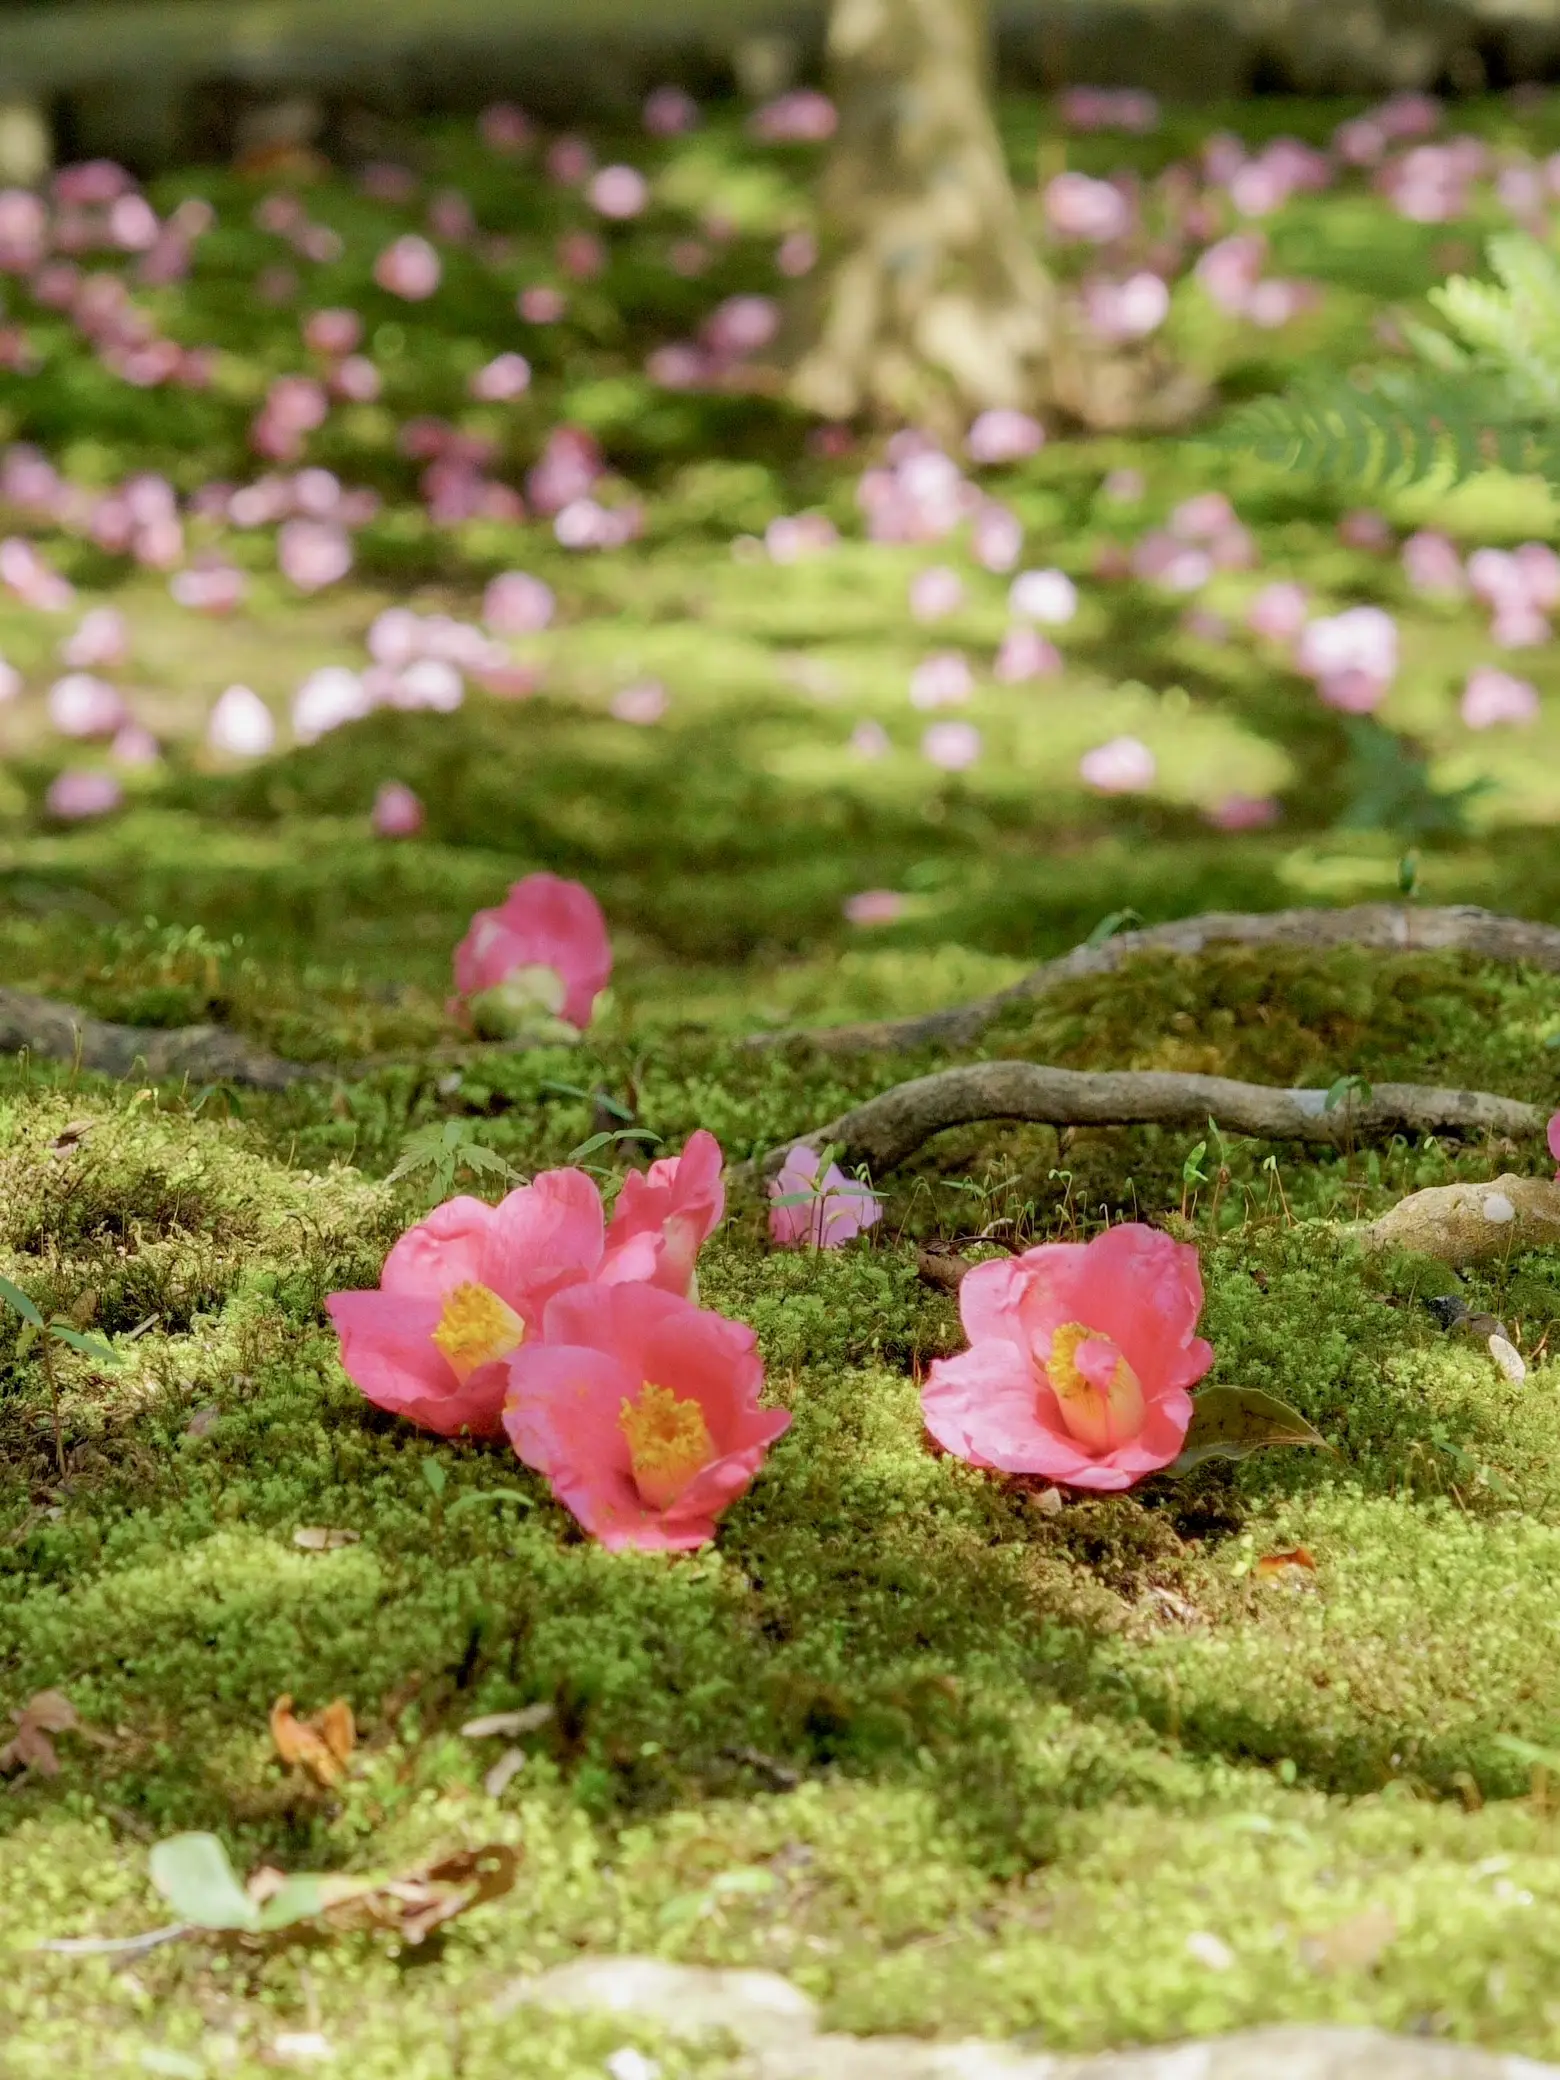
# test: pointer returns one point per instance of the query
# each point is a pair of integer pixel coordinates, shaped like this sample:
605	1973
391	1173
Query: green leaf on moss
1234	1422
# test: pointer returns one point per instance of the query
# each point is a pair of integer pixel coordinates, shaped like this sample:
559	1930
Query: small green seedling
47	1335
445	1147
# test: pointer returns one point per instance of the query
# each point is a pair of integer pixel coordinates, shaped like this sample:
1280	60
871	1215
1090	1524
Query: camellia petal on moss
642	1413
664	1216
1080	1358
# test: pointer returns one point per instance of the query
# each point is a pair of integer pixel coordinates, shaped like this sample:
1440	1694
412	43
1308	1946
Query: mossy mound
953	1762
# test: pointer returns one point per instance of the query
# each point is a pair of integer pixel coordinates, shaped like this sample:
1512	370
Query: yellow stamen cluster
668	1442
475	1328
1099	1418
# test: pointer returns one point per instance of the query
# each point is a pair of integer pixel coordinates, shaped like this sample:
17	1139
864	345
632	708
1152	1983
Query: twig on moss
1381	927
886	1129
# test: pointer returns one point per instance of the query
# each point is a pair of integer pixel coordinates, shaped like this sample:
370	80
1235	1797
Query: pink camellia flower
30	578
954	746
1553	1138
874	906
797	254
516	604
645	702
1123	766
568	467
741	325
545	947
328	698
670	111
1077	206
1243	812
313	554
82	706
356	379
333	332
1050	597
505	128
541	304
941	680
935	592
802	116
1129	310
869	740
641	1411
996	537
1492	696
459	1293
241	725
663	1218
79	793
1025	654
1003	435
619	192
134	745
1079	1362
1366	529
397	812
502	379
569	161
102	639
834	1211
1279	611
409	268
1352	656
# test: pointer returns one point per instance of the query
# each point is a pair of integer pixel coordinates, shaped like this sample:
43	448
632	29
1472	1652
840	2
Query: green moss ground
956	1764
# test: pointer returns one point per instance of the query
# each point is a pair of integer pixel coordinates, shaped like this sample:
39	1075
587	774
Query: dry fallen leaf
70	1134
48	1711
1286	1566
322	1745
526	1720
324	1538
1355	1945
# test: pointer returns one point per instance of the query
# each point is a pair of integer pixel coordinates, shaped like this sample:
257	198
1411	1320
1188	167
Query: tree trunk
933	303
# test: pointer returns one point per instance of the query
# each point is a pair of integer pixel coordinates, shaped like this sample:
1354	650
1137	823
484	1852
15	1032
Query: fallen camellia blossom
1553	1137
543	950
459	1292
663	1218
642	1413
1080	1358
809	1211
466	1287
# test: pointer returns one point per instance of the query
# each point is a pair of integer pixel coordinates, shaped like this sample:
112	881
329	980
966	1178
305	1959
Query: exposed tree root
886	1129
61	1033
1387	927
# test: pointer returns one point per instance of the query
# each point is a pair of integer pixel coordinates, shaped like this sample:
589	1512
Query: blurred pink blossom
568	468
954	746
10	682
1109	108
1049	597
499	381
874	906
936	592
570	161
356	379
516	604
1492	696
1026	654
540	304
870	740
240	724
101	640
91	184
794	536
1122	766
409	268
741	325
26	574
1365	529
505	128
327	698
1122	311
1243	812
942	680
802	116
581	255
644	702
619	192
1124	487
797	254
24	231
670	112
332	332
79	793
1279	611
1079	207
1003	435
450	216
1431	564
1353	657
397	812
996	537
209	587
313	554
134	745
80	705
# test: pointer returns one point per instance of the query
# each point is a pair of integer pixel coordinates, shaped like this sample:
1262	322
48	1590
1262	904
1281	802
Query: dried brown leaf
1355	1945
321	1746
46	1712
1285	1566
